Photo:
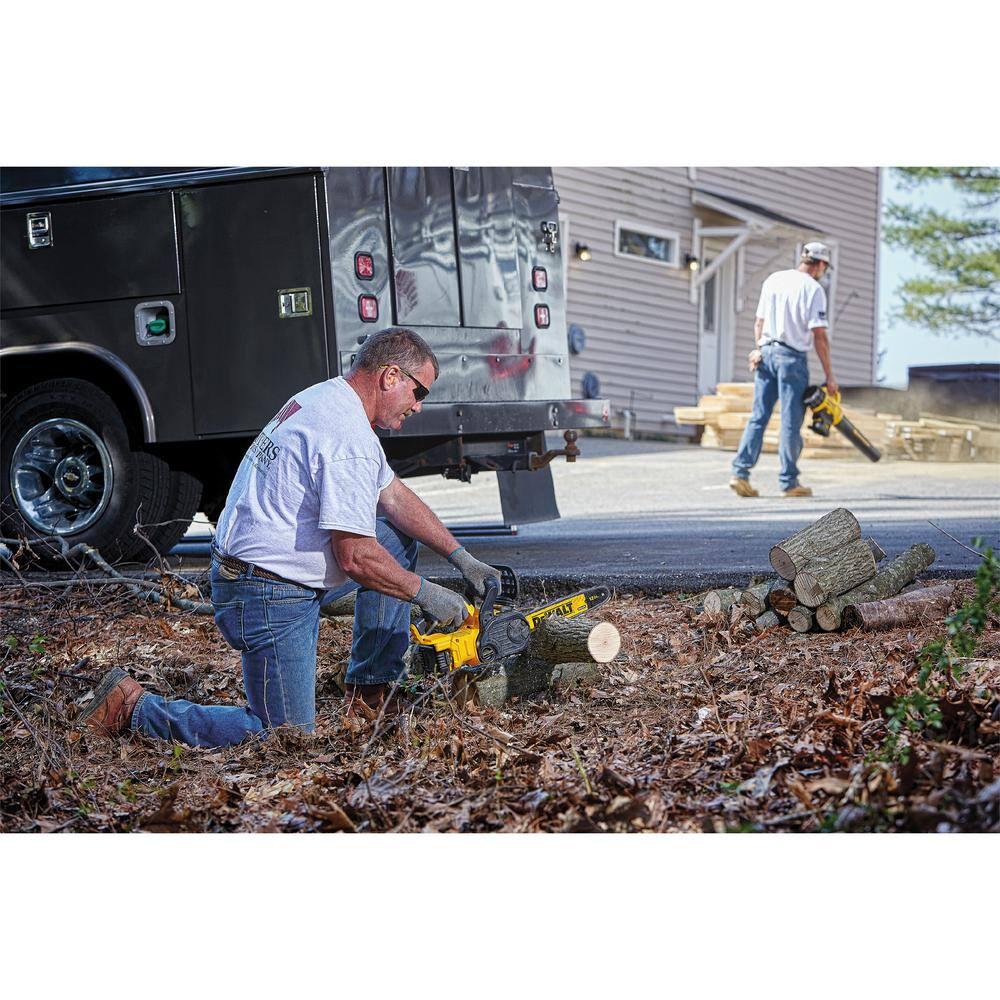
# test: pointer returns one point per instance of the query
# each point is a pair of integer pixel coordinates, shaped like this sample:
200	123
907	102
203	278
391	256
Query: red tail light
541	316
364	266
368	308
539	279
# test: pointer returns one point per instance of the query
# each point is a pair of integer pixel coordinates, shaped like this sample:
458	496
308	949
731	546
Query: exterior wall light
583	252
692	262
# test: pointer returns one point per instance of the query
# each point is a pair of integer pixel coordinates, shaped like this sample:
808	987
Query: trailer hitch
536	461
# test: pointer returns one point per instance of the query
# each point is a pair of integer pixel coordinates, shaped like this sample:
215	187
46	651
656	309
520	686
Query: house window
641	242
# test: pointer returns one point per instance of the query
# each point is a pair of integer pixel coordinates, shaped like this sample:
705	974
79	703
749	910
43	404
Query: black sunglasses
421	391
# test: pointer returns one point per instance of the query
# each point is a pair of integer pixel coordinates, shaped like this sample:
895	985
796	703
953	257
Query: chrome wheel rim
61	476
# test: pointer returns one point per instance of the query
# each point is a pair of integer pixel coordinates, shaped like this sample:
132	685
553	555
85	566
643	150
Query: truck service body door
254	293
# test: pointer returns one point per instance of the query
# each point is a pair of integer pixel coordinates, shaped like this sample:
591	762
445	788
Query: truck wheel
183	501
69	470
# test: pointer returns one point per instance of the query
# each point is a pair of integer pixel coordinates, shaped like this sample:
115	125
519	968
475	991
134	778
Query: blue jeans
782	374
275	626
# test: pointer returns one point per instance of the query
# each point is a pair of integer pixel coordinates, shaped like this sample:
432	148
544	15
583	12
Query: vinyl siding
642	329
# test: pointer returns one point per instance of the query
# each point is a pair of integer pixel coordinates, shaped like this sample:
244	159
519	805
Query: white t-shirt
792	305
316	466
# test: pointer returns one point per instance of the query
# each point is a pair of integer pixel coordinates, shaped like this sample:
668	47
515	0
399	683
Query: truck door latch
550	236
39	230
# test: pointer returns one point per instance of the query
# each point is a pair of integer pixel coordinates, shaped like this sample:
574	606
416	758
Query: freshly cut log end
828	617
718	602
604	642
800	618
918	607
830	532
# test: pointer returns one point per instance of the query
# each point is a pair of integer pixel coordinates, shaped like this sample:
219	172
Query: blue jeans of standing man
275	626
783	373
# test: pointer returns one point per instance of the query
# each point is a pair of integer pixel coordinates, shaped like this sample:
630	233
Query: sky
903	343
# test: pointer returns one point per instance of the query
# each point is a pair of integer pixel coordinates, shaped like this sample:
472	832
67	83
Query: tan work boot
798	491
742	487
114	700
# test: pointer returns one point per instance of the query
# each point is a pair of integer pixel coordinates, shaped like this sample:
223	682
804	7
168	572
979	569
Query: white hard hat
818	251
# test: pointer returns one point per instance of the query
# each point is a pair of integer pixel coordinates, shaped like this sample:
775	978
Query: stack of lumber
723	415
938	439
828	576
929	438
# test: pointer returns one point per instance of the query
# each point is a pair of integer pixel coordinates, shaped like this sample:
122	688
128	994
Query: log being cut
918	607
835	573
887	582
573	640
832	531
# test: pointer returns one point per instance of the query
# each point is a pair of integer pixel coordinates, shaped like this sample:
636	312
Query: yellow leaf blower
827	412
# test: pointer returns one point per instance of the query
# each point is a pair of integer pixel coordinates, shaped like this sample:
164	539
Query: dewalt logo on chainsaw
567	607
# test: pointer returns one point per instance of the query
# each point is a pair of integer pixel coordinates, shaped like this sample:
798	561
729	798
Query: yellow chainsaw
496	628
827	412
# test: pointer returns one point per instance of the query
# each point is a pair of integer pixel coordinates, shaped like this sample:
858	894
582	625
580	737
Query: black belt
235	565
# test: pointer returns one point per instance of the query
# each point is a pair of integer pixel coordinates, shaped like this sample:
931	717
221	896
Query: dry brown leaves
696	726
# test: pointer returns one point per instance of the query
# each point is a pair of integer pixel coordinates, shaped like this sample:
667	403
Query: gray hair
395	345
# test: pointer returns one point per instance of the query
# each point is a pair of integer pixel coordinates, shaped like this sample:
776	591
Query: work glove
440	604
476	573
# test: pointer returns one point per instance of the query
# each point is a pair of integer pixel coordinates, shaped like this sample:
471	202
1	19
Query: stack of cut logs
829	577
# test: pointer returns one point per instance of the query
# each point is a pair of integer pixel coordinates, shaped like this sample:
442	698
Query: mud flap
526	497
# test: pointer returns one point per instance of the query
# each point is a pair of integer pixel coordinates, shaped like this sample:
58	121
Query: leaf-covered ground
695	727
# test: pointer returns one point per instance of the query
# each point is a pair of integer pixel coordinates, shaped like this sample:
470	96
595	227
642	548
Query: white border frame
643	227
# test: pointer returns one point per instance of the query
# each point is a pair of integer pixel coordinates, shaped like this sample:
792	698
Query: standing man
791	318
313	513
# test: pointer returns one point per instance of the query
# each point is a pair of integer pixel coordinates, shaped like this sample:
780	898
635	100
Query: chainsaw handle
431	629
508	590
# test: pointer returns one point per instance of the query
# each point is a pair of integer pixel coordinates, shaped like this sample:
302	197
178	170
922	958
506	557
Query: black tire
141	483
182	503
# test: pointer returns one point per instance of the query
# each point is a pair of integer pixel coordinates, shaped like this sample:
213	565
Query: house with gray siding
663	268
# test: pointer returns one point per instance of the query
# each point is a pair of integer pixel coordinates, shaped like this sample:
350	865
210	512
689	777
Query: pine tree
961	295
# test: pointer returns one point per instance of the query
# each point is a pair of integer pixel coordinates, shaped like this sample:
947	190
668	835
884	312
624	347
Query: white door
708	333
716	322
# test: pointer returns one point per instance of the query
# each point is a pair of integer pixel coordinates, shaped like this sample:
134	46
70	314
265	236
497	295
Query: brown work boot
742	487
798	491
110	711
365	701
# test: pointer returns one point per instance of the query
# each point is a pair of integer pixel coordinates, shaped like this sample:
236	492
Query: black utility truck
154	319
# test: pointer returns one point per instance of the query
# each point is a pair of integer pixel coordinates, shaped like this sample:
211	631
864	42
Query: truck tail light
364	266
368	308
541	316
539	279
